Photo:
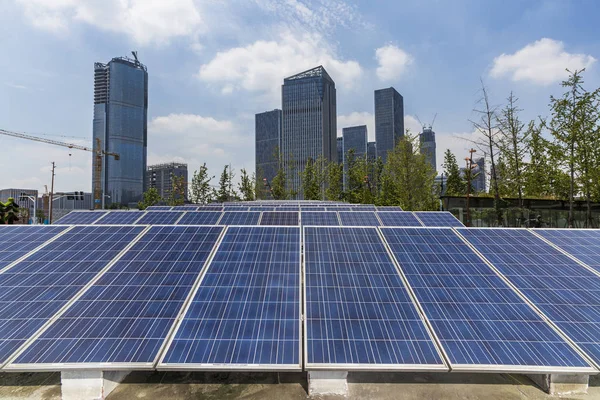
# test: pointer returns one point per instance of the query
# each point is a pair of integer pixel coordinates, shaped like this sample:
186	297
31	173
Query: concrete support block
327	382
559	384
89	385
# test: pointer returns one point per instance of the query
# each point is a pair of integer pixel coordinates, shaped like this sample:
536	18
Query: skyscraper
309	122
355	138
267	127
160	177
120	122
389	120
427	146
340	149
371	151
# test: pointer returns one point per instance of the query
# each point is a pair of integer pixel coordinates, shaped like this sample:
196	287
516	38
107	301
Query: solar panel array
358	312
119	218
438	218
81	217
18	240
279	218
200	218
359	218
125	316
159	218
581	243
398	218
478	318
322	218
246	312
240	218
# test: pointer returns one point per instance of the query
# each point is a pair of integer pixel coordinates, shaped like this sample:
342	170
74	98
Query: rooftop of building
310	73
123	60
167	165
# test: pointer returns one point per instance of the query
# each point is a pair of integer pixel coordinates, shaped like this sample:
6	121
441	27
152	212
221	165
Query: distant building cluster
161	177
306	128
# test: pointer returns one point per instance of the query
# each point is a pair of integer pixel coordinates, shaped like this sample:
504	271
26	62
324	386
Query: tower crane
100	154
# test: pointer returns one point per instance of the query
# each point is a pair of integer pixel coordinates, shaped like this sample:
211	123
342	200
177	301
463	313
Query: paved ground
271	386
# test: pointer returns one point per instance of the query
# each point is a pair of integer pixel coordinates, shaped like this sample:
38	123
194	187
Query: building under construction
160	176
120	124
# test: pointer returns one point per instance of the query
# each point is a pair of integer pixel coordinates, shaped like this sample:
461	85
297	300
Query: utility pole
51	195
468	173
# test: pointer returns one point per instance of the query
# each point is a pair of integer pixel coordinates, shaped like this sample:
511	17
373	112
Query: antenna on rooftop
135	57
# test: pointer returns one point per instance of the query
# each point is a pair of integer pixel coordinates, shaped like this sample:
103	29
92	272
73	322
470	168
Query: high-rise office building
427	146
120	123
267	126
371	151
309	123
340	149
479	172
389	120
355	139
160	177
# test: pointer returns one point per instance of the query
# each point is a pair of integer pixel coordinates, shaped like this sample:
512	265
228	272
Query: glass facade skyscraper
120	122
355	138
427	146
389	120
371	151
340	149
309	123
267	127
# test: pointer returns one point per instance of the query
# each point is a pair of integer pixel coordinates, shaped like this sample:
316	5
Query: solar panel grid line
35	250
161	365
119	218
564	251
99	219
531	304
8	365
442	367
188	301
180	217
141	216
81	217
415	301
513	315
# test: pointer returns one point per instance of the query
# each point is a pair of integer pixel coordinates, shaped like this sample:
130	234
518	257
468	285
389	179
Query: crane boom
97	163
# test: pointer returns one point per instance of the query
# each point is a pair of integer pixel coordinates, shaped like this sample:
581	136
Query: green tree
358	188
455	185
247	186
9	212
334	181
279	185
260	188
537	172
223	193
177	194
310	181
151	198
200	191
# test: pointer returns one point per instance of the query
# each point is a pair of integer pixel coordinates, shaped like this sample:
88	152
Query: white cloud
393	62
542	62
144	21
262	65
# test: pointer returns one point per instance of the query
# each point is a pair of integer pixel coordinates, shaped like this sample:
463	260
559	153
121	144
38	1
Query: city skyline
207	80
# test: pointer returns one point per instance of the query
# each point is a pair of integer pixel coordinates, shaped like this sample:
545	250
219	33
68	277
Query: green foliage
9	212
40	216
334	181
247	186
177	194
537	173
151	198
311	184
358	186
200	190
278	186
455	185
223	193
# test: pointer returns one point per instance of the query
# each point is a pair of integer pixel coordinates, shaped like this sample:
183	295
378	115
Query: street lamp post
34	200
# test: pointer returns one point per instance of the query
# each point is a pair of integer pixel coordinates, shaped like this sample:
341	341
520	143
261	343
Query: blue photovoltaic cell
389	208
566	292
581	243
261	208
240	218
127	314
160	218
478	318
32	291
235	208
363	207
18	240
247	308
438	218
279	218
398	218
159	208
80	218
287	209
312	208
358	311
335	208
120	218
200	218
358	218
322	218
185	208
210	208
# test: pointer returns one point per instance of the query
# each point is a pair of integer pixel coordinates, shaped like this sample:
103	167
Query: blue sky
213	64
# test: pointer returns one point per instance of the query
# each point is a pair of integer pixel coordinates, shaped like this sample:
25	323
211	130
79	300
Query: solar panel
281	218
160	218
210	208
286	208
358	218
358	313
438	218
312	208
581	243
80	218
240	218
126	316
322	218
159	208
261	208
482	324
363	207
120	218
389	208
398	218
567	293
235	208
18	240
246	311
185	208
200	218
336	208
32	291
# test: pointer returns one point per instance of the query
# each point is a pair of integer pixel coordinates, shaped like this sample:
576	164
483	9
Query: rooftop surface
292	386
